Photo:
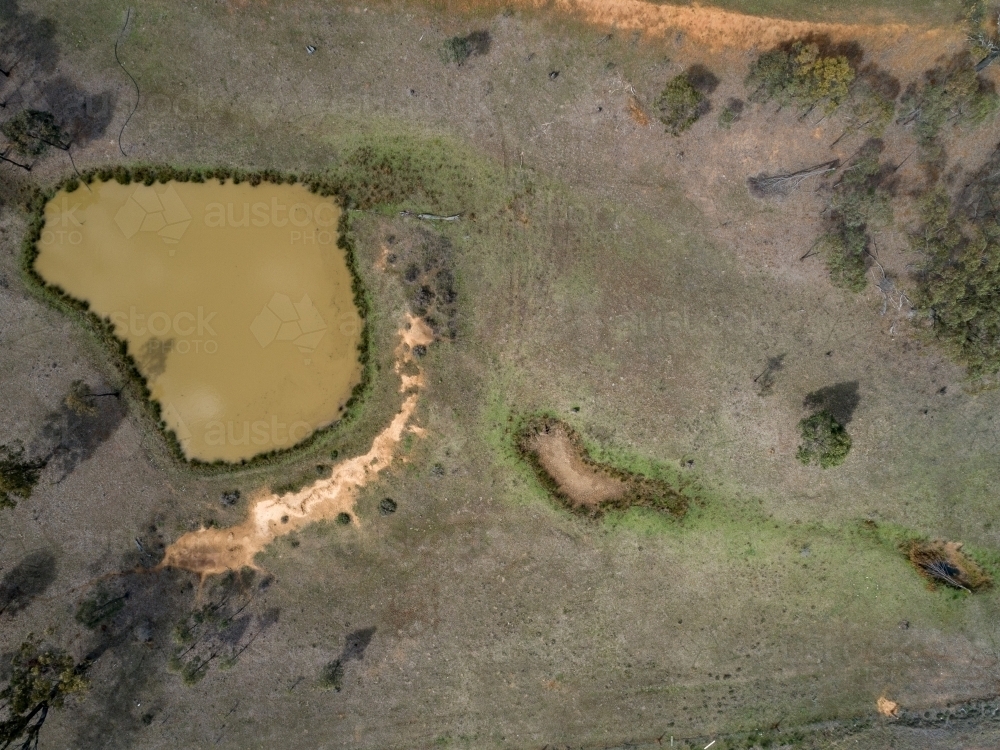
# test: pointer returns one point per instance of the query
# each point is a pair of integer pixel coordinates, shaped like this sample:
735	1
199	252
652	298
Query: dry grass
637	113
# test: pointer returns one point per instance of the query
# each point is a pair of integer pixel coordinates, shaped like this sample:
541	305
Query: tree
959	285
18	476
31	131
680	105
953	93
858	201
41	678
845	250
869	109
800	73
824	440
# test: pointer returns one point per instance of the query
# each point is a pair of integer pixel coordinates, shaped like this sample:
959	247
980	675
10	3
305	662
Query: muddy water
213	551
234	300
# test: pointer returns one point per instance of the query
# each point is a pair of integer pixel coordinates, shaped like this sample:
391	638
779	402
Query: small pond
234	300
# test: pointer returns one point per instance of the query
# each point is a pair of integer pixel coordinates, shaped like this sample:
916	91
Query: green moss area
640	491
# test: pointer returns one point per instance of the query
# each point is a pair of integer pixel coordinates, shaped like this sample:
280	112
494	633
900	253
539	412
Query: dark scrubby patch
944	564
951	93
806	71
958	286
425	262
369	177
458	49
641	491
860	200
824	440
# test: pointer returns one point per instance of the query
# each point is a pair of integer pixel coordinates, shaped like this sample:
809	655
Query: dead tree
764	185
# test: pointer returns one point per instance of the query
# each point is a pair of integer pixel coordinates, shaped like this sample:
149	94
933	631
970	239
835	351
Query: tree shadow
26	581
703	79
356	643
766	380
70	436
840	399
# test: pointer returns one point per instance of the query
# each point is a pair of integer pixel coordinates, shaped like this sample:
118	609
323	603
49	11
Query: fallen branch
431	217
764	185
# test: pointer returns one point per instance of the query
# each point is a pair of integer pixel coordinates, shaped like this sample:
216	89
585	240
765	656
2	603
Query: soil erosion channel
213	551
235	303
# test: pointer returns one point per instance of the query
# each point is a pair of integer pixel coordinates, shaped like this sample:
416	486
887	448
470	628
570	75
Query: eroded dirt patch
944	564
562	463
213	551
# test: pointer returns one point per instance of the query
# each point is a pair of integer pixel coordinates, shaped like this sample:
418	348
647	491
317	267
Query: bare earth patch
561	462
583	485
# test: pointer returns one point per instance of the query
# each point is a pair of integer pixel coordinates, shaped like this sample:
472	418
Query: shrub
332	676
845	251
859	199
680	104
824	440
39	678
18	476
771	77
458	49
31	131
870	110
730	113
800	73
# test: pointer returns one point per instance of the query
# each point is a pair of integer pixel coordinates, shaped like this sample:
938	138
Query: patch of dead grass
637	113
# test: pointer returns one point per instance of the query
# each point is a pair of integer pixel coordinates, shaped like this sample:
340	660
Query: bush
332	676
858	199
824	440
18	476
730	113
846	254
800	73
458	49
680	104
870	110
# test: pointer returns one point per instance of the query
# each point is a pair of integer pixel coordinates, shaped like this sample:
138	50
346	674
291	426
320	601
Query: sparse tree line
955	291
